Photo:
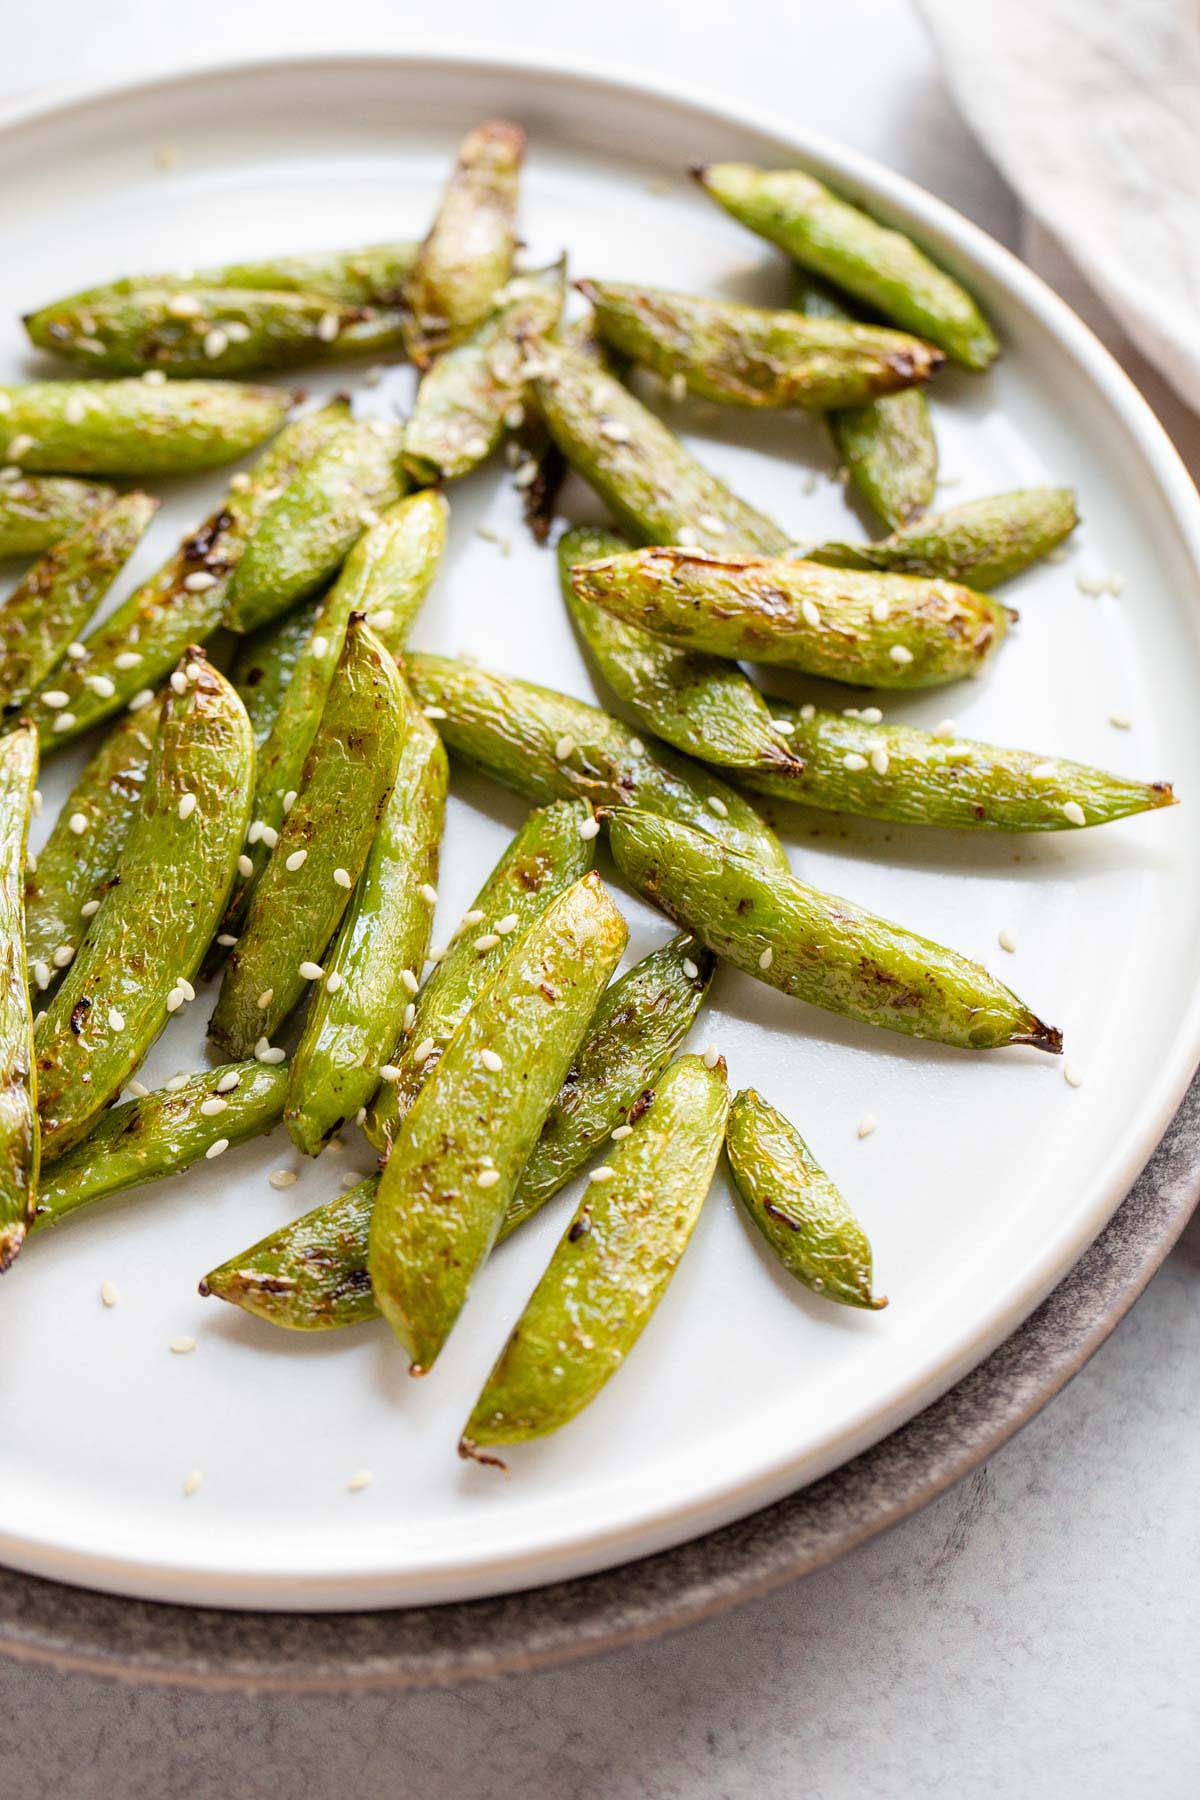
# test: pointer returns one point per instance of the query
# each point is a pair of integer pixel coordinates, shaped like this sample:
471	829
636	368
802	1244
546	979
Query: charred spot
357	1281
79	1014
199	547
545	989
776	1212
744	905
580	1226
271	1284
253	677
641	1106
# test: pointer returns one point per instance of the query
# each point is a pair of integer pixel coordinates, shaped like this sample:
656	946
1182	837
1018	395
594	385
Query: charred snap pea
39	510
983	543
881	267
310	1275
367	273
265	663
542	467
467	254
454	1168
322	846
19	1136
795	1206
887	631
132	427
816	946
611	1267
145	943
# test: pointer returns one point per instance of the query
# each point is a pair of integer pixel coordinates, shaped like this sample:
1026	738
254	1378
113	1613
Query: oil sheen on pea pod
310	1275
797	1208
453	1169
983	543
355	1020
265	663
133	428
145	944
612	1265
542	468
38	510
817	946
19	1135
467	254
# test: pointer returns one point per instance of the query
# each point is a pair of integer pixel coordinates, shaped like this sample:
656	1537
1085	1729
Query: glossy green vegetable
795	1205
133	427
265	663
38	510
355	1020
611	1267
828	236
889	631
145	943
982	543
19	1137
467	255
310	1275
816	946
453	1170
295	910
542	468
363	274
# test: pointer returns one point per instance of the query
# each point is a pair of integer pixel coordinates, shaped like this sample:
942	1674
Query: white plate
987	1175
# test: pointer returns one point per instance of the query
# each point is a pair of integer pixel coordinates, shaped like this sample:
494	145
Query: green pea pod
611	1267
887	631
703	705
652	485
543	467
304	535
546	856
132	427
354	1021
550	746
60	593
467	255
323	844
146	942
453	1170
983	543
19	1136
795	1206
310	1275
459	415
265	663
816	946
39	510
881	267
162	1133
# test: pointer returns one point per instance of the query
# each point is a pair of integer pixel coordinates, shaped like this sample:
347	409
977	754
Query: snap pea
37	510
367	273
611	1267
264	665
58	596
295	910
355	1019
452	1171
132	427
816	946
881	267
653	486
543	467
310	1275
888	631
795	1205
19	1136
983	543
146	942
467	254
161	1133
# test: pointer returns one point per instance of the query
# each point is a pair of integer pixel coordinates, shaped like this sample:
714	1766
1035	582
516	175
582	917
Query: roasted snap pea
310	1275
542	467
982	543
19	1136
795	1205
145	943
38	510
58	596
265	663
816	946
881	267
887	631
453	1169
467	255
355	1021
323	842
611	1267
162	1133
133	427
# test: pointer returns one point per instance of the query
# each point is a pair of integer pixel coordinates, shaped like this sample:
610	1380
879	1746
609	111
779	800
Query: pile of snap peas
265	795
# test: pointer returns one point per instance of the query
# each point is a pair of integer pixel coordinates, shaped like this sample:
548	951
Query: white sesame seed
636	746
473	917
614	431
604	1172
342	878
389	1072
677	386
410	1015
429	893
900	654
78	823
1074	813
311	971
116	1020
563	748
267	1053
217	1149
621	1132
687	537
178	681
328	326
283	1178
245	869
184	306
63	955
41	974
1072	1076
491	1061
20	446
767	958
185	987
138	1089
1043	771
1122	721
360	1479
435	712
424	1050
180	1346
487	1178
319	646
108	1293
141	700
289	800
31	862
690	969
174	1000
155	377
360	1115
199	582
409	981
507	924
295	861
226	939
811	612
191	1481
880	760
36	802
212	1108
854	762
101	685
808	712
265	999
526	474
881	612
368	517
216	342
380	620
228	1081
75	411
712	1057
786	726
173	1083
335	982
54	698
867	1124
269	836
871	715
435	953
710	522
187	805
718	806
237	331
487	942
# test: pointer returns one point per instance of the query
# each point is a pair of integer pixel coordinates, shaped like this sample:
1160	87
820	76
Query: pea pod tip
469	1451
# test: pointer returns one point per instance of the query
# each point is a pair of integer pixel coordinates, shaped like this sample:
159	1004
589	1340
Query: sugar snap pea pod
58	596
550	746
983	543
162	1133
133	428
265	663
887	631
323	843
304	535
881	267
19	1135
701	704
310	1275
355	1020
467	255
653	486
39	510
145	943
817	946
453	1169
611	1267
542	468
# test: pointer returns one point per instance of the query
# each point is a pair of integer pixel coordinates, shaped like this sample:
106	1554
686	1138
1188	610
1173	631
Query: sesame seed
487	1178
319	646
41	973
871	715
360	1115
237	331
139	1089
141	700
1071	1075
217	1149
690	969
295	861
155	377
335	982
35	801
178	681
712	1057
216	342
75	411
637	747
368	517
226	939
603	1173
174	1000
193	671
265	999
1043	771
267	1053
854	762
1006	939
435	712
116	1020
54	698
184	306
808	712
199	582
78	823
473	917
245	869
289	800
20	446
342	878
379	621
491	1061
410	1016
881	612
901	654
1122	721
867	1124
621	1132
389	1072
947	731
435	953
185	987
173	1083
101	686
424	1050
811	612
180	1346
63	955
210	1109
108	1293
507	924
563	748
360	1479
228	1081
283	1178
429	893
615	432
328	326
1074	813
767	958
191	1481
409	980
526	475
710	522
718	806
879	760
187	805
311	971
487	942
269	836
677	386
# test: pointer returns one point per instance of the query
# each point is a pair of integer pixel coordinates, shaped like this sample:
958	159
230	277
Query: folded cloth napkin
1091	108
